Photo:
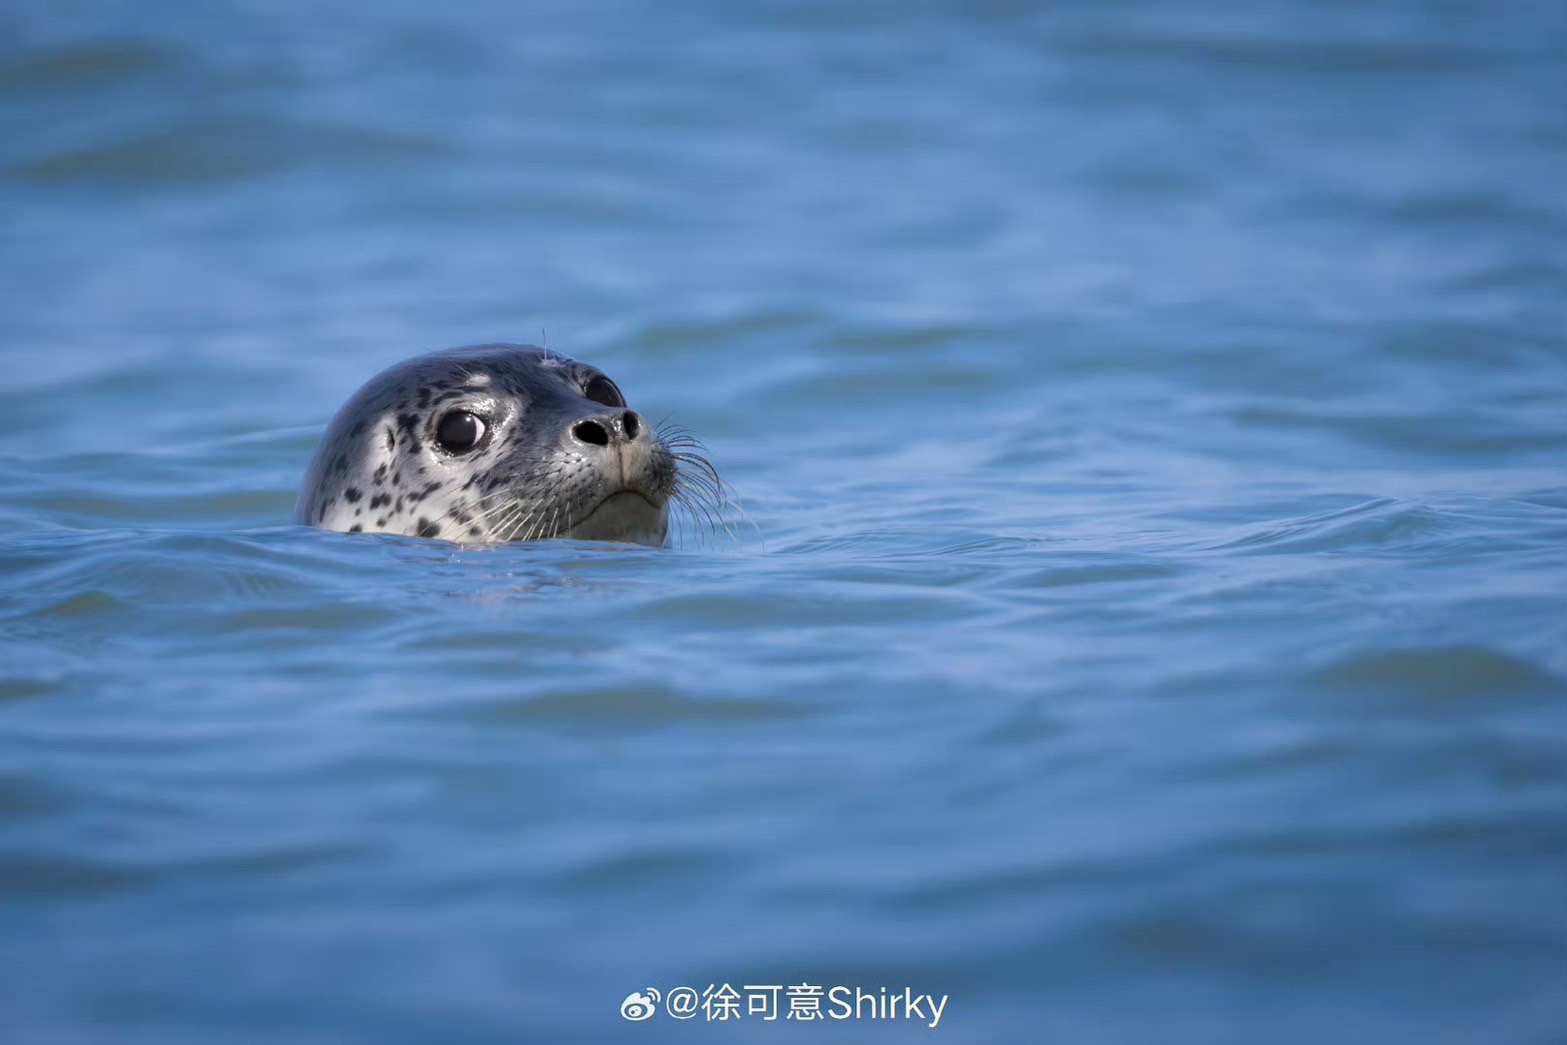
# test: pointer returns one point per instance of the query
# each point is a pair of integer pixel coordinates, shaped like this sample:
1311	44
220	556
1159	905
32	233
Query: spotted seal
498	443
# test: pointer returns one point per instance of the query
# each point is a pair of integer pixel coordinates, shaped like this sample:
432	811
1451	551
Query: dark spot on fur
428	528
352	494
356	528
379	500
419	495
409	423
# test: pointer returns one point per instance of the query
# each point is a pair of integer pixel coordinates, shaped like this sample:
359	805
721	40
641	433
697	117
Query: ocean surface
1143	616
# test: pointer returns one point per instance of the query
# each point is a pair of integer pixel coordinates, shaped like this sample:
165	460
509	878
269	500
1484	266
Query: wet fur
379	468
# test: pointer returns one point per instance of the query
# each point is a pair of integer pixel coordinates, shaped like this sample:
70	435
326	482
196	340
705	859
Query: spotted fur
381	468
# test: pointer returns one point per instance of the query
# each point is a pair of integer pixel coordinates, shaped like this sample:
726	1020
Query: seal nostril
632	422
591	432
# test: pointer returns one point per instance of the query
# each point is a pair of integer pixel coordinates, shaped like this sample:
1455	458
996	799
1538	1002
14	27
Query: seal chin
627	516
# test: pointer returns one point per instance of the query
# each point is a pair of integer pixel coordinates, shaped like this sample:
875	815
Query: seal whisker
699	463
721	493
695	500
497	503
705	477
522	520
533	526
683	515
697	467
549	527
528	524
500	527
699	527
699	480
674	431
675	434
501	514
510	514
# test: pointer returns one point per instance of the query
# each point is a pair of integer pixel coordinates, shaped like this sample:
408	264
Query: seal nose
620	427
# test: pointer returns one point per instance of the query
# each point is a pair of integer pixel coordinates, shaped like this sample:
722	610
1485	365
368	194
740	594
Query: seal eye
601	389
459	432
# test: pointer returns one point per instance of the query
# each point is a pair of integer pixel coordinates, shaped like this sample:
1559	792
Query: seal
496	443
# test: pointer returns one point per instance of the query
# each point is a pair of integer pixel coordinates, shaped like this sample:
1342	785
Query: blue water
1144	620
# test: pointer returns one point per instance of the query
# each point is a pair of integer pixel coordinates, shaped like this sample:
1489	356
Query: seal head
489	444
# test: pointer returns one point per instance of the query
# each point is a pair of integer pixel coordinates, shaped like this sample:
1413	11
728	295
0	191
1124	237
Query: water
1149	617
